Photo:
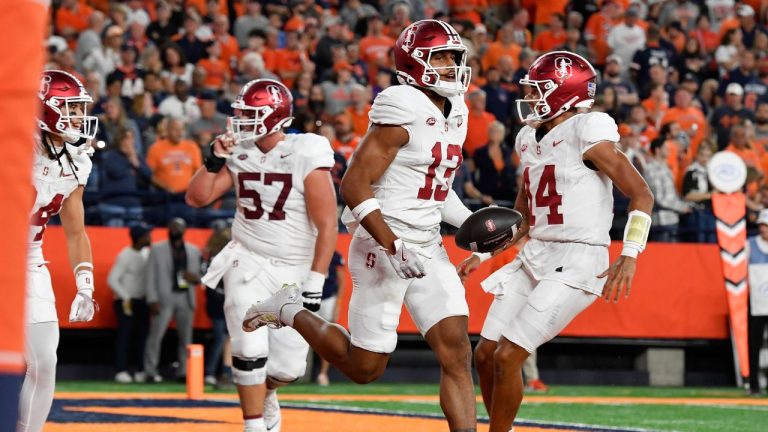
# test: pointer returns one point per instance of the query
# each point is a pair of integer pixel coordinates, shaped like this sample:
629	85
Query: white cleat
267	312
272	417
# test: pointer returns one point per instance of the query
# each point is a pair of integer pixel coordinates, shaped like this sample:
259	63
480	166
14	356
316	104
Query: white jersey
54	182
413	189
271	217
569	202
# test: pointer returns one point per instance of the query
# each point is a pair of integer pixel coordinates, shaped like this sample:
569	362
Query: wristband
84	280
314	280
483	256
85	264
636	233
364	208
214	164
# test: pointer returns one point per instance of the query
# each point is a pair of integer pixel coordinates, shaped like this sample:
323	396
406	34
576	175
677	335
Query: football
488	229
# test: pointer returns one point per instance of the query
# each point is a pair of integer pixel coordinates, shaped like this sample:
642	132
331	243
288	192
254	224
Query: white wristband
84	265
84	280
484	256
636	233
364	208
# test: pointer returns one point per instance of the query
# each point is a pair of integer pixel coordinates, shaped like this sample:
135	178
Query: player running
398	187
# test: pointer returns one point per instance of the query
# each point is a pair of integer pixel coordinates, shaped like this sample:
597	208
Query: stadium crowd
683	78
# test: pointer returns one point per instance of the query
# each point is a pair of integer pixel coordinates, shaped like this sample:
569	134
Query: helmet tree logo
45	86
563	68
409	39
275	94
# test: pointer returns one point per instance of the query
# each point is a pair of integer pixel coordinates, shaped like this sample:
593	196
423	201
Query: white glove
83	306
406	262
312	291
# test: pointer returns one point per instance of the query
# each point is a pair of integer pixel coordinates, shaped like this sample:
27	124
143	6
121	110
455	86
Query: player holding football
569	162
285	230
61	169
398	187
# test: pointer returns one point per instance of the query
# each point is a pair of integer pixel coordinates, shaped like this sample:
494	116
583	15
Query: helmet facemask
248	122
534	108
64	126
432	77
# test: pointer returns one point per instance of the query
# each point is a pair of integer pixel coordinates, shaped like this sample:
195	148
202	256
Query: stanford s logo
563	68
370	260
275	94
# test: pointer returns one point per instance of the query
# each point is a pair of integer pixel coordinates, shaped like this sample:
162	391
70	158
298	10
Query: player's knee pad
286	369
249	371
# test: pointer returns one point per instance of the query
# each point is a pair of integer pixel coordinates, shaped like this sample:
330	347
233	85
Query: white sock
257	423
288	313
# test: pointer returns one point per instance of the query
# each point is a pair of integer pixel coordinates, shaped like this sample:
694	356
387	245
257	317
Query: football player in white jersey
60	172
285	230
398	187
569	162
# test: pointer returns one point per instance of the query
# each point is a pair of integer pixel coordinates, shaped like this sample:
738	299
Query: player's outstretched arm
371	159
80	257
320	199
610	160
212	180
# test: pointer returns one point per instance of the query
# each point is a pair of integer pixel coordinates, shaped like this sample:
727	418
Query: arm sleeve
116	273
454	212
596	128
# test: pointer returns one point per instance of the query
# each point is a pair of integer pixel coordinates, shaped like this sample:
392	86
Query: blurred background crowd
684	79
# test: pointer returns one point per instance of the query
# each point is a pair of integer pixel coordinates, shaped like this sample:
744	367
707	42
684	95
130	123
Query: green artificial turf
661	417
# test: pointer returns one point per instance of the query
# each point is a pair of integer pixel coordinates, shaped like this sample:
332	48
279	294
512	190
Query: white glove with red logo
406	261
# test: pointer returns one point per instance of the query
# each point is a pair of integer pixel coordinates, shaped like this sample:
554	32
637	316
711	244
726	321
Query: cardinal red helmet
62	95
414	49
561	80
263	107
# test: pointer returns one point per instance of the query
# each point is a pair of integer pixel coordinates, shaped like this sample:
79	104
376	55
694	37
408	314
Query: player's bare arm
470	264
320	198
372	158
208	185
73	220
611	161
80	258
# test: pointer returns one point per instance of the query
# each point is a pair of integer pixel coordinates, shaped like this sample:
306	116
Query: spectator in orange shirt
174	160
477	123
708	39
553	36
470	10
230	51
597	29
290	60
358	109
505	46
544	11
743	148
640	124
375	45
217	73
72	18
689	117
346	139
